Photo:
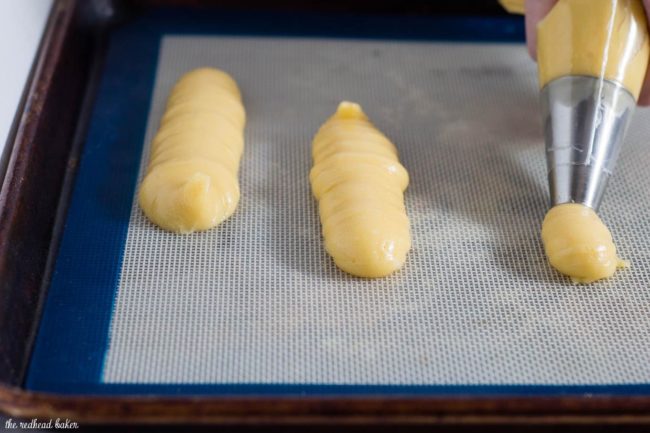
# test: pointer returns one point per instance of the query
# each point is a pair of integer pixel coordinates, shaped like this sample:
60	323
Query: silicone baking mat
257	306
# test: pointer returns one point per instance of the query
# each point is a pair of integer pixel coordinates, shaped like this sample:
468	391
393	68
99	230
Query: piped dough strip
578	244
359	183
191	181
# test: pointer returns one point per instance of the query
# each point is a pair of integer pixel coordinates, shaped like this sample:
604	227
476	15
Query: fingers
644	96
536	10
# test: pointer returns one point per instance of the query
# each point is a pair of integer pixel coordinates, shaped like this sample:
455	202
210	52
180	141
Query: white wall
21	27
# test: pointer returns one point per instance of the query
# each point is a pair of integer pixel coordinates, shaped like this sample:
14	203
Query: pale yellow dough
578	244
191	181
599	38
514	6
359	183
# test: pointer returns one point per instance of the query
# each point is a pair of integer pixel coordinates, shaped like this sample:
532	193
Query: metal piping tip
585	120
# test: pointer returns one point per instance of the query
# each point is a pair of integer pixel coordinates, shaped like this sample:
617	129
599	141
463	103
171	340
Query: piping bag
592	58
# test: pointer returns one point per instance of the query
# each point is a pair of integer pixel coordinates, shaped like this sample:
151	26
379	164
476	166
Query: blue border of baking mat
72	340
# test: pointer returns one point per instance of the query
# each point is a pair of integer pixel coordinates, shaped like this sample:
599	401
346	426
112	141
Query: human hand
536	10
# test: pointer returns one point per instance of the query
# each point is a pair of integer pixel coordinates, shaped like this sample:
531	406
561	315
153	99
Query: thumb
536	10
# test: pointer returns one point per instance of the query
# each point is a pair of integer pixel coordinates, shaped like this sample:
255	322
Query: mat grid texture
258	300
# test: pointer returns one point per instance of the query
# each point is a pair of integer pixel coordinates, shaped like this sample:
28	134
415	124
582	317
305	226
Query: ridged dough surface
578	244
191	181
359	183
